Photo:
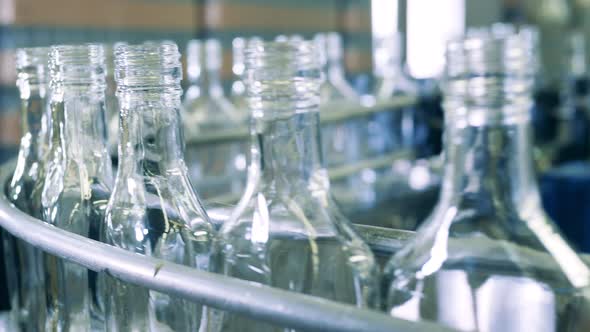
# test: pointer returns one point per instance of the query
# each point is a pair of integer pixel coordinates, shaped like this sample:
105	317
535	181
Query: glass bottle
330	51
391	82
286	231
78	181
345	141
488	258
238	89
112	105
335	96
216	169
153	209
24	270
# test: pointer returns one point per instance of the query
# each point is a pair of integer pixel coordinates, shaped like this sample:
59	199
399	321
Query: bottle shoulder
266	218
464	239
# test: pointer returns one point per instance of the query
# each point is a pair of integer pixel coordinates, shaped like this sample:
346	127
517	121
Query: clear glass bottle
238	89
286	232
24	262
335	87
336	95
79	179
153	209
391	82
112	105
488	258
345	141
216	169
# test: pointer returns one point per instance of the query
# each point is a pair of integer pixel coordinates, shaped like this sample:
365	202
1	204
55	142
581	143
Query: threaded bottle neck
148	67
282	78
489	80
78	68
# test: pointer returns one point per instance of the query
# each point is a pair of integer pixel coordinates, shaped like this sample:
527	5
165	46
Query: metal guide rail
256	301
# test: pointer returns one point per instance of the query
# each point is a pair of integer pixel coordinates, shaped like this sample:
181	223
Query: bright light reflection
383	17
430	24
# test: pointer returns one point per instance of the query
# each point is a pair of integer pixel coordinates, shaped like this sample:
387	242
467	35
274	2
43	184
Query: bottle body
286	231
214	169
153	209
78	181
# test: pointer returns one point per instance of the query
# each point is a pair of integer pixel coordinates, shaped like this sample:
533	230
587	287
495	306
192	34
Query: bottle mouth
489	77
203	54
281	76
78	65
151	65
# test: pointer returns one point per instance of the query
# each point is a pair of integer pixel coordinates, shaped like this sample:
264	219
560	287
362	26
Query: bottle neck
286	154
151	142
490	165
34	112
78	132
206	83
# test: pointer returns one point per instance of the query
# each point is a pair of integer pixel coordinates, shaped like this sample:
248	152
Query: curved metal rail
247	298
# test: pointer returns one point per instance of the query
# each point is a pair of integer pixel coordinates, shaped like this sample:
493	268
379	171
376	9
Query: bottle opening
148	66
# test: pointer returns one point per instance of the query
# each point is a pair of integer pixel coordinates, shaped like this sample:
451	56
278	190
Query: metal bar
247	298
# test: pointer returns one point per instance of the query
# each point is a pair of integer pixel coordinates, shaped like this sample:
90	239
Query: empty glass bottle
392	83
238	89
342	139
216	169
488	258
79	179
153	209
345	141
24	263
286	231
330	51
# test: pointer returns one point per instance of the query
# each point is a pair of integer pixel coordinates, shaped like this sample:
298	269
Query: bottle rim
152	64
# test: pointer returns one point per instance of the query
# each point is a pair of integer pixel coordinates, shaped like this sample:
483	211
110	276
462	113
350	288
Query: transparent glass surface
286	231
214	169
153	209
78	181
24	262
488	258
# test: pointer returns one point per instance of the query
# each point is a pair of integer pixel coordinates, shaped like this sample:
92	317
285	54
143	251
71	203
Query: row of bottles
487	258
286	213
